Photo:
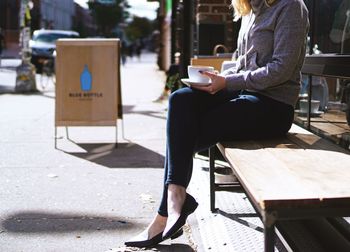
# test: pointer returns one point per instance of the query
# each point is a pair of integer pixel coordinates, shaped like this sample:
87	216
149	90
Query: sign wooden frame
88	89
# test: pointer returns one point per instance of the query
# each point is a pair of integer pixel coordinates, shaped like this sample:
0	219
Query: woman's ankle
176	197
177	190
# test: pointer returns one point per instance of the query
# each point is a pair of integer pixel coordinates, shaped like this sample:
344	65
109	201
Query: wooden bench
295	177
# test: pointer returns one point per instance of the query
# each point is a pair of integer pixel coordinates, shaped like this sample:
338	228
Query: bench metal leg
67	133
212	177
269	236
269	220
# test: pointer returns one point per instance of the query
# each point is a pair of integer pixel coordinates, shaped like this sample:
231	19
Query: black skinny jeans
198	120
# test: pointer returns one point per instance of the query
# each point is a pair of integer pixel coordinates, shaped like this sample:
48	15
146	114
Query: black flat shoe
189	207
153	241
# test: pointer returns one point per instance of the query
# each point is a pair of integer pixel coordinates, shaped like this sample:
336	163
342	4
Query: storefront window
331	25
329	112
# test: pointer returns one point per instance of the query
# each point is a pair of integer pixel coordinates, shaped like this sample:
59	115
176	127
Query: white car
43	44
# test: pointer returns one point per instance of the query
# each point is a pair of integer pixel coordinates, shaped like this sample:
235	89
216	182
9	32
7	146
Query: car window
52	37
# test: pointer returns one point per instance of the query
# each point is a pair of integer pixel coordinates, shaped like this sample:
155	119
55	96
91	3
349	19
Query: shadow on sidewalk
45	222
12	90
242	219
6	89
127	155
173	247
31	222
129	109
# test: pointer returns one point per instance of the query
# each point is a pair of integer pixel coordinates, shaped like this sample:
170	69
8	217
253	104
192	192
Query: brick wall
218	12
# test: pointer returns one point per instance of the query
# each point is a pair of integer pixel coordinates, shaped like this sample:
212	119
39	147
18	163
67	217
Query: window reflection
331	25
329	110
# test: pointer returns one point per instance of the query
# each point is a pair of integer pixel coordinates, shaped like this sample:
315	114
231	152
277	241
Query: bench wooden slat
291	172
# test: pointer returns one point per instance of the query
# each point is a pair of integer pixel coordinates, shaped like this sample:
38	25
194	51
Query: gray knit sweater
271	50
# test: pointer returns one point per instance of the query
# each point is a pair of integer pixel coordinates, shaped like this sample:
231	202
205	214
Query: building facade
83	22
215	26
9	23
57	14
194	27
45	14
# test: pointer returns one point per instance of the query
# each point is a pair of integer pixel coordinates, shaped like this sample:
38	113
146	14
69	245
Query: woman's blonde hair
243	7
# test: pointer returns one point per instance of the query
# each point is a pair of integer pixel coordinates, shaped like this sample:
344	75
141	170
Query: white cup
304	106
195	76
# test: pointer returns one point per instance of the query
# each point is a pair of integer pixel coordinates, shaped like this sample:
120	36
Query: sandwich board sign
87	82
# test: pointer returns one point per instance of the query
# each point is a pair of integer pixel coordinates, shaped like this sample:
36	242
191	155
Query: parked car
43	45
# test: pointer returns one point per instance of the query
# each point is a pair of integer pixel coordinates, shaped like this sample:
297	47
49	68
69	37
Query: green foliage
108	15
138	28
173	82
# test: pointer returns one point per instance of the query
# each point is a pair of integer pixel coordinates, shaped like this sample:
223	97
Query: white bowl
304	106
195	75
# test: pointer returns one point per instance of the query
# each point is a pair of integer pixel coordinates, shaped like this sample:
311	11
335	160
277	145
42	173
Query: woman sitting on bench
254	99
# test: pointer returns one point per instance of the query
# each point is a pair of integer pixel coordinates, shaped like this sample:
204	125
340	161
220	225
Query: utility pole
25	80
187	37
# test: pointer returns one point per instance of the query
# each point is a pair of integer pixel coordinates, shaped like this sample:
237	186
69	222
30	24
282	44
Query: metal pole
55	137
25	80
187	47
312	44
173	30
116	135
67	133
309	103
212	177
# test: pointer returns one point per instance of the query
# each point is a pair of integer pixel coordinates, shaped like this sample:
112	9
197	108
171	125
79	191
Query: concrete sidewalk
86	195
89	196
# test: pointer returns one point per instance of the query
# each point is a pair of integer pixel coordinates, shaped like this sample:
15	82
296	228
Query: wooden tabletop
331	125
293	171
332	65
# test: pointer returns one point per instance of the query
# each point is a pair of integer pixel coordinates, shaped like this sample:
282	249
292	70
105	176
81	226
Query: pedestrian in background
138	48
254	99
131	50
124	51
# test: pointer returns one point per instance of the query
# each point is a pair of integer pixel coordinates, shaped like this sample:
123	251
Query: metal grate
236	227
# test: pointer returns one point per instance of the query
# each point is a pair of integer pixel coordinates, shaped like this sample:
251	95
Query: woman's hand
217	83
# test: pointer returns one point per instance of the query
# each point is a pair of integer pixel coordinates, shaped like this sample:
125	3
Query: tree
108	14
139	28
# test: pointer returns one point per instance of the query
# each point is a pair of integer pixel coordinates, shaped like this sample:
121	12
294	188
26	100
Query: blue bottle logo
86	79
